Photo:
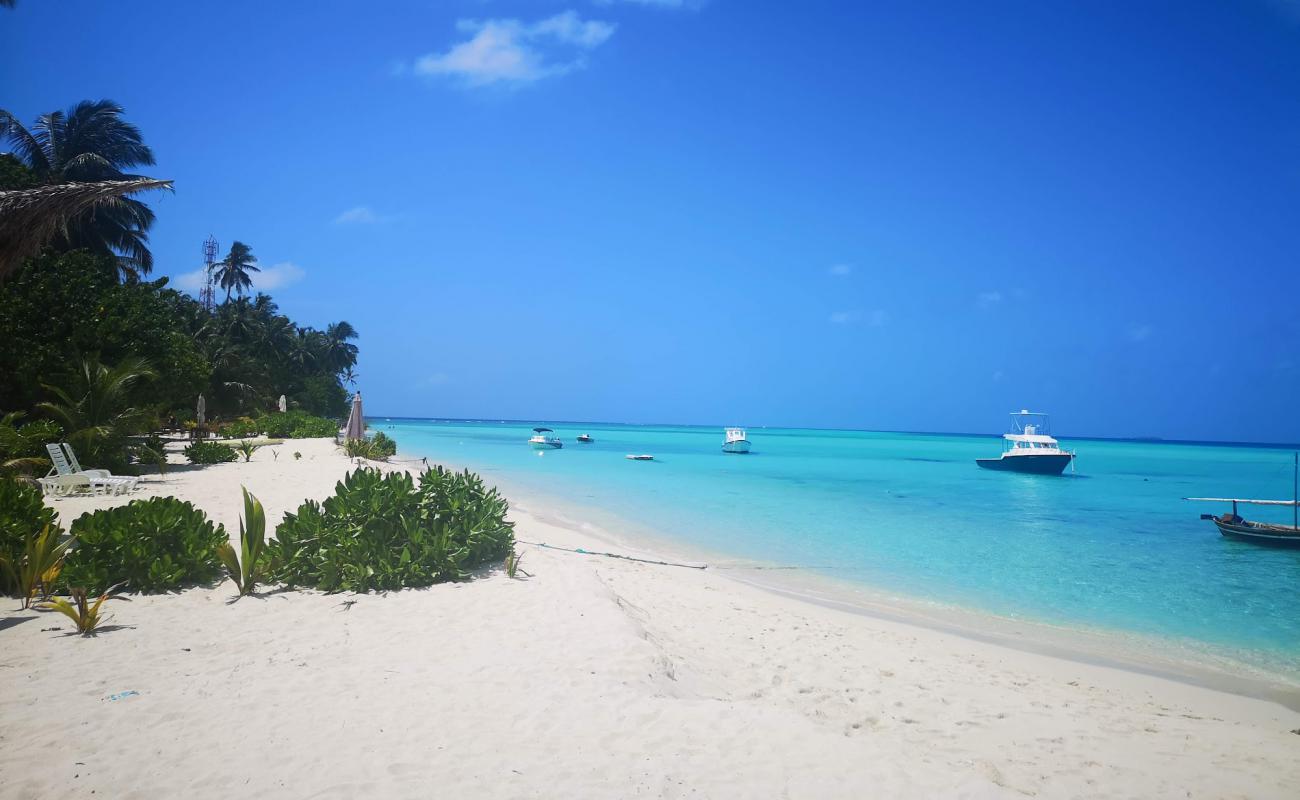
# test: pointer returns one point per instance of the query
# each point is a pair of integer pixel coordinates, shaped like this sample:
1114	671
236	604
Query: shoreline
1193	662
588	677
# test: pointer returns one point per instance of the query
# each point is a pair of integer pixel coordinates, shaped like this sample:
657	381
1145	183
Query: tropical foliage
156	545
33	572
376	448
381	532
247	567
204	452
297	425
23	514
91	403
90	142
22	447
86	615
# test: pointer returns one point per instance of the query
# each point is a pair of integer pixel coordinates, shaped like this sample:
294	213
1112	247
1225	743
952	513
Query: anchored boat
585	438
543	441
1232	526
1029	448
735	441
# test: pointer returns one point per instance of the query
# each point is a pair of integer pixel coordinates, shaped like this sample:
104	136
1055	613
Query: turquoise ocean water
1111	547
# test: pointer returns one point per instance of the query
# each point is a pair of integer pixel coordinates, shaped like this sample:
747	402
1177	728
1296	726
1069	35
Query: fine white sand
595	677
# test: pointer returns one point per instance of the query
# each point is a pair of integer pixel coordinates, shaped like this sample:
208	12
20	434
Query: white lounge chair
67	477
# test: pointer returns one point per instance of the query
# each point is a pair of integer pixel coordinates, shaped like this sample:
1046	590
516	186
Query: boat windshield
1030	423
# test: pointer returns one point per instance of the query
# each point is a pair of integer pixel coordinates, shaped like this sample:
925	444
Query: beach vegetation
160	544
232	271
22	447
241	428
247	567
84	613
297	456
33	572
246	449
296	424
381	532
92	403
206	452
513	560
151	450
379	447
23	514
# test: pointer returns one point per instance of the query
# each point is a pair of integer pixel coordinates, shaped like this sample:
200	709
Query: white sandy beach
595	677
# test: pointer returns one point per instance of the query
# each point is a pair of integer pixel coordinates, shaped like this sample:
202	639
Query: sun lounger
67	477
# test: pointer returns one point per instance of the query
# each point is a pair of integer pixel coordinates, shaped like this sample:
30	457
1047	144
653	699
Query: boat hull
738	447
1053	464
546	445
1257	533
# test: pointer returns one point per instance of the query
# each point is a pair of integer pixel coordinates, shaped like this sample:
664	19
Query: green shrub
241	428
22	514
22	447
210	453
297	425
378	448
380	532
154	545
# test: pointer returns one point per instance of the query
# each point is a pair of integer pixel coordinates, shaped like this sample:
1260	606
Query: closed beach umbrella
356	428
202	409
283	404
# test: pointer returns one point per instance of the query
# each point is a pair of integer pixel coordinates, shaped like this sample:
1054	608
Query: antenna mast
209	261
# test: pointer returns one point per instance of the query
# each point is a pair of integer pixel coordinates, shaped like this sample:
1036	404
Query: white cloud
656	3
360	215
840	270
513	52
273	277
1139	333
190	281
875	318
278	276
988	299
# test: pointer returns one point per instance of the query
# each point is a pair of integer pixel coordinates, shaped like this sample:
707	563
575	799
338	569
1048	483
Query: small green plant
297	456
22	514
210	453
246	568
84	614
156	545
382	532
246	449
36	570
151	451
513	560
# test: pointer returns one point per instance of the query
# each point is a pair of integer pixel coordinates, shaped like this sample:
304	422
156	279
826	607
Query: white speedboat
543	440
1029	448
641	457
586	438
735	441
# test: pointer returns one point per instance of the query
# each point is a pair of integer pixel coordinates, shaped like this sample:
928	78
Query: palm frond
30	218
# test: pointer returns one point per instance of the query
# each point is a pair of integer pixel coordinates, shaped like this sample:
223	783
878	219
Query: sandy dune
594	678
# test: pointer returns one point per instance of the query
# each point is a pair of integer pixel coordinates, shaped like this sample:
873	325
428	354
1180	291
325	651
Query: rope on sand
581	551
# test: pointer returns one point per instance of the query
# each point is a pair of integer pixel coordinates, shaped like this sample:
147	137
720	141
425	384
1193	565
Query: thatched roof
31	217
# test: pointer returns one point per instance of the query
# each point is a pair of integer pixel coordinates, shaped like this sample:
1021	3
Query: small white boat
586	438
542	440
736	441
1030	448
642	457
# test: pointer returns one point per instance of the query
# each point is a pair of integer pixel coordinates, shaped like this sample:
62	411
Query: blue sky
891	216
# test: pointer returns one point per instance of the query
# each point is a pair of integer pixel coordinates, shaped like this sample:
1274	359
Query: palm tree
92	404
232	271
90	142
340	353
